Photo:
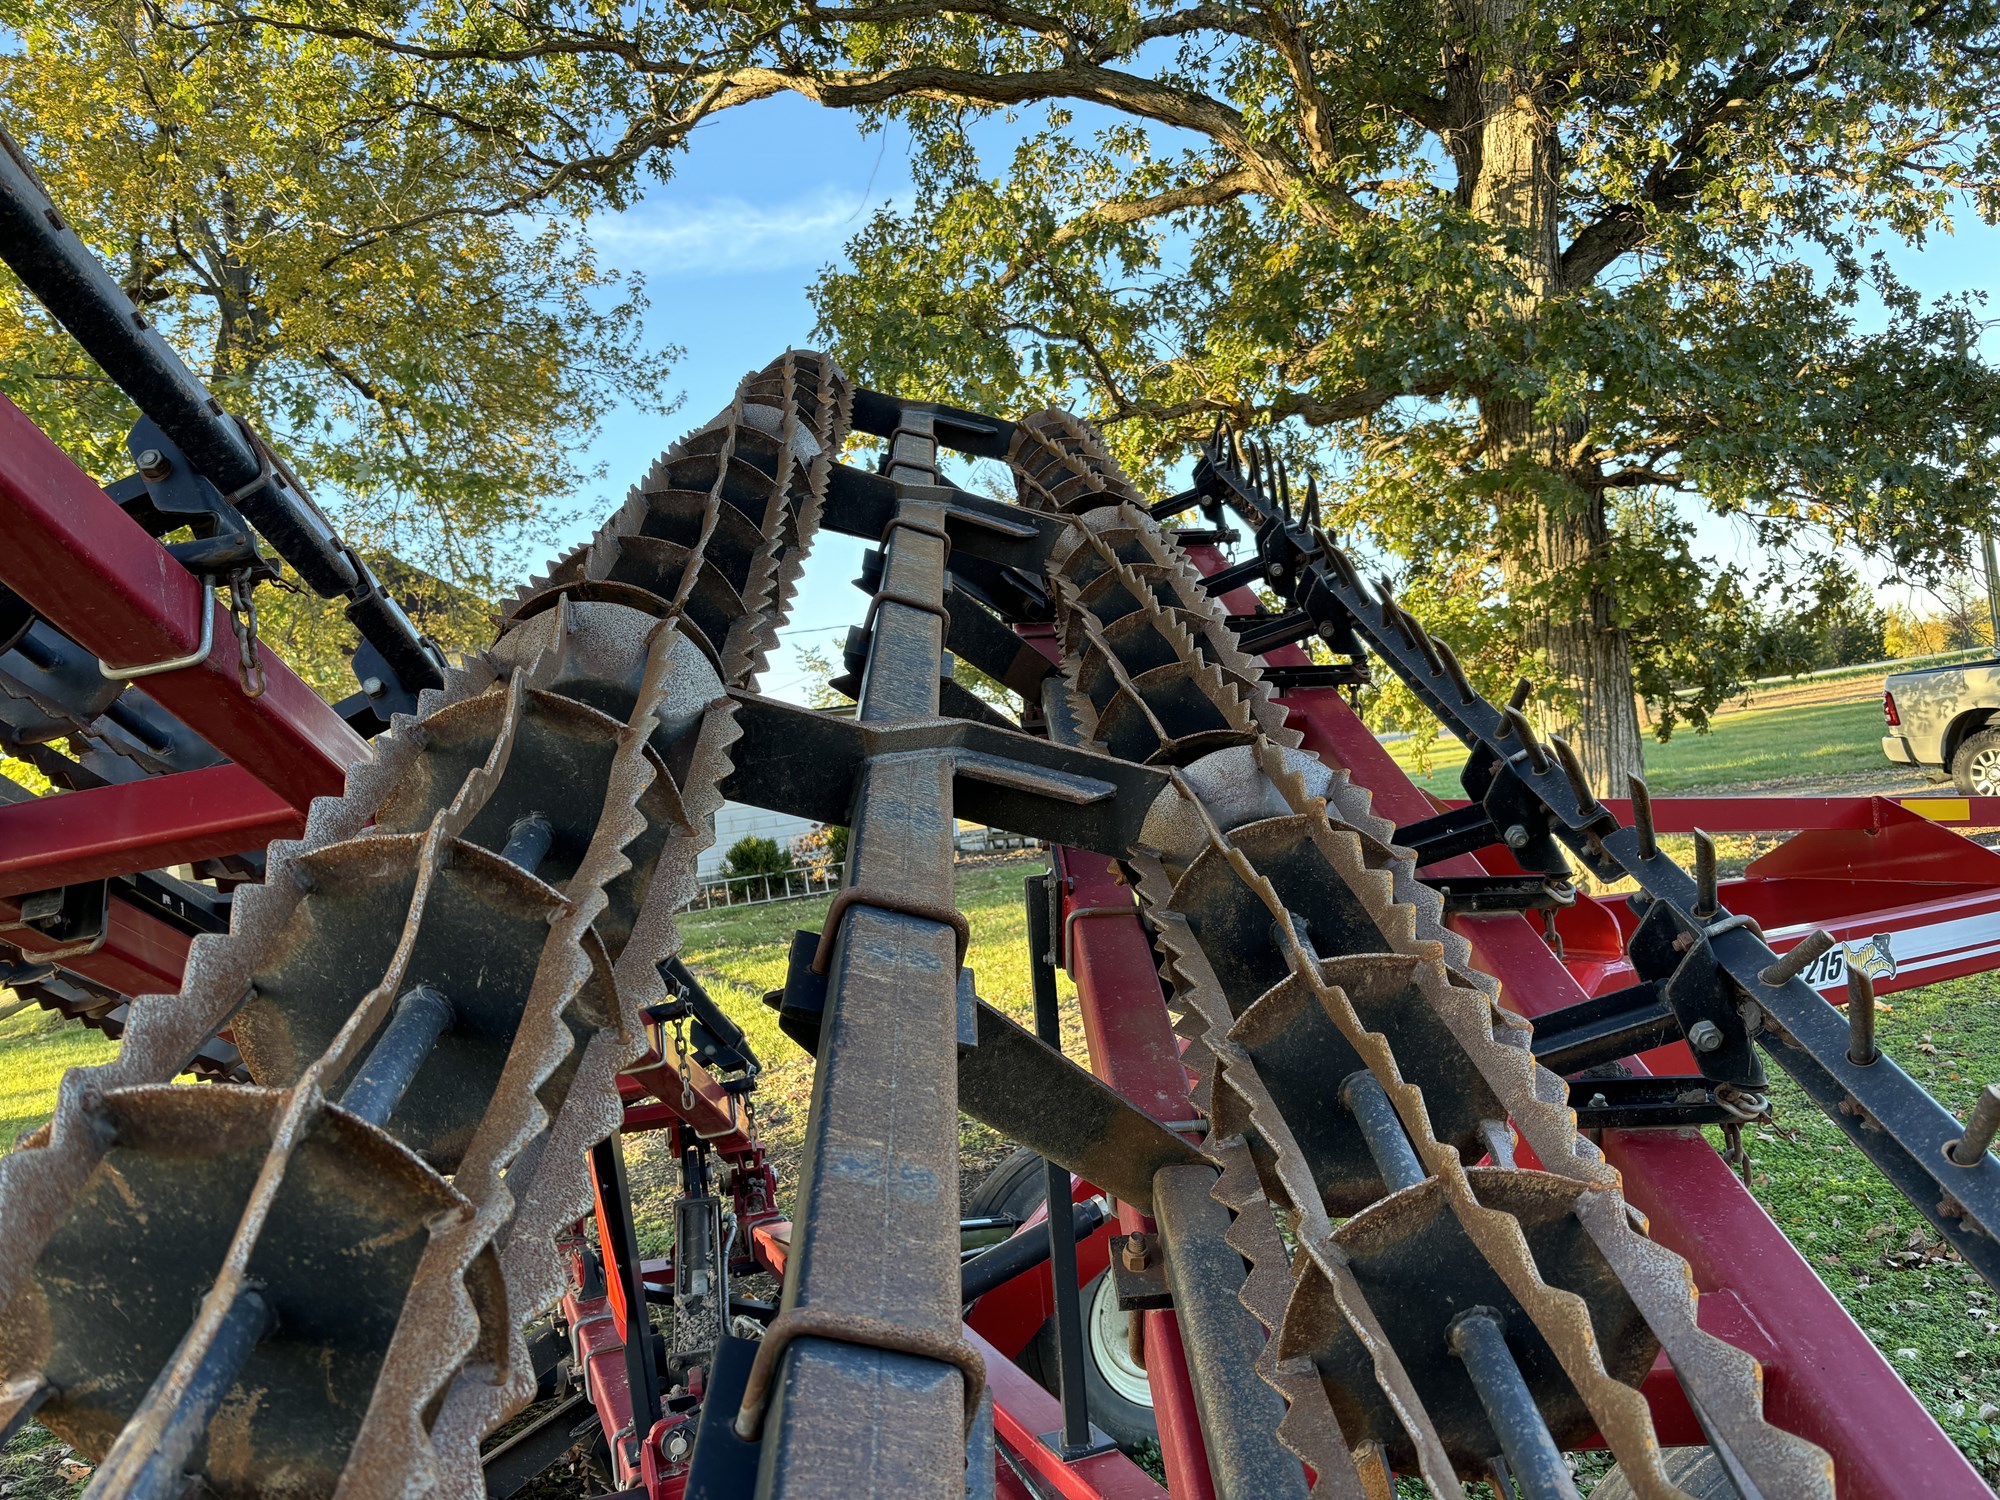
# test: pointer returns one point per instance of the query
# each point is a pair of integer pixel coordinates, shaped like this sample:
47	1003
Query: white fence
801	881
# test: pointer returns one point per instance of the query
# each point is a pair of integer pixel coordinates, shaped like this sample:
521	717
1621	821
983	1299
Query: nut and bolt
1517	836
1704	1036
153	464
1276	570
1136	1252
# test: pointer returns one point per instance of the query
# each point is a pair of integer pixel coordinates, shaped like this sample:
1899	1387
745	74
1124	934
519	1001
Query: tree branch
1210	193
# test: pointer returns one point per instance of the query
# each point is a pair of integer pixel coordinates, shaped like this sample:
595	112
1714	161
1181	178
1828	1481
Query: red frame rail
91	571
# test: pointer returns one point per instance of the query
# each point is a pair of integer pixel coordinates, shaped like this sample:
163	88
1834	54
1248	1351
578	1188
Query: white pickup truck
1947	719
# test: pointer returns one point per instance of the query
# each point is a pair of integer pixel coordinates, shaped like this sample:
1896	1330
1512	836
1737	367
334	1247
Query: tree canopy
314	229
1518	274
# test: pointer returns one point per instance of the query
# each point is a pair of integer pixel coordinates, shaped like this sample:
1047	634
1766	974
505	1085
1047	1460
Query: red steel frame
93	572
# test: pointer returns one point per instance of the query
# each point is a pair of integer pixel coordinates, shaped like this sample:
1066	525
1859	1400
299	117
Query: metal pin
1479	1338
1586	799
1798	958
1312	502
1970	1149
160	1450
1524	689
1381	1130
38	1392
1642	816
1861	1050
1454	671
1705	898
1284	489
1525	733
422	1016
528	841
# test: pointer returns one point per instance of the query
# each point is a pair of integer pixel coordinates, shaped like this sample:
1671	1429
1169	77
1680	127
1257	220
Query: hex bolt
1704	1036
153	464
1797	959
1517	836
1136	1252
1969	1150
1276	570
1861	1049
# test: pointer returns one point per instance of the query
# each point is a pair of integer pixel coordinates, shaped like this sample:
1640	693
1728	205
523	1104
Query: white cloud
668	237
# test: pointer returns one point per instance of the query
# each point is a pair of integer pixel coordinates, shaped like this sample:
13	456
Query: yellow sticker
1941	809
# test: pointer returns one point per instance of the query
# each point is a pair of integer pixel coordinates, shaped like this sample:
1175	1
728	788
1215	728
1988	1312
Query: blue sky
768	195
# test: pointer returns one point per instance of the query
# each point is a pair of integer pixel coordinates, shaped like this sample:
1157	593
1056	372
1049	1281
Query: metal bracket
1139	1273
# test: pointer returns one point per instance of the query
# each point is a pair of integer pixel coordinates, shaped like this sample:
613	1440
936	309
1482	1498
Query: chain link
243	616
1734	1153
687	1076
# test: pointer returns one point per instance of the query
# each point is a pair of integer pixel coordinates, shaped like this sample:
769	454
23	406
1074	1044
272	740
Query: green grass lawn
36	1046
1813	741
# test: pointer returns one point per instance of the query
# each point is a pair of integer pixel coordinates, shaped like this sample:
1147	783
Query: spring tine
1969	1150
1350	576
1861	1049
1586	799
1798	958
1427	645
1454	671
1642	815
1706	898
1525	732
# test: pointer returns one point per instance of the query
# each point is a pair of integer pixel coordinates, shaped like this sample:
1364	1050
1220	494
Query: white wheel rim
1985	775
1111	1347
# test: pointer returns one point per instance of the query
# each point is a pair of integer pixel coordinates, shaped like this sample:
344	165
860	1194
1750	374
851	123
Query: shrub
757	856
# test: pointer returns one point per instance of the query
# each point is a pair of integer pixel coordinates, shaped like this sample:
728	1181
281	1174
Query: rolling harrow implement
1371	1221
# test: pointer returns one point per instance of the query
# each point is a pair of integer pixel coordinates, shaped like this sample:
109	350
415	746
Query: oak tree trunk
1553	522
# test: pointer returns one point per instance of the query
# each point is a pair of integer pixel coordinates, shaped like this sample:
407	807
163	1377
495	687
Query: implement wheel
1121	1401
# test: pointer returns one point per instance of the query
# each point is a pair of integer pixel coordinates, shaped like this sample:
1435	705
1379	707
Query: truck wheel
1976	766
1120	1400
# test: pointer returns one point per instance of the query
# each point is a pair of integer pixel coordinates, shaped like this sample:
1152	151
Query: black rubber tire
1018	1186
1985	745
1696	1470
